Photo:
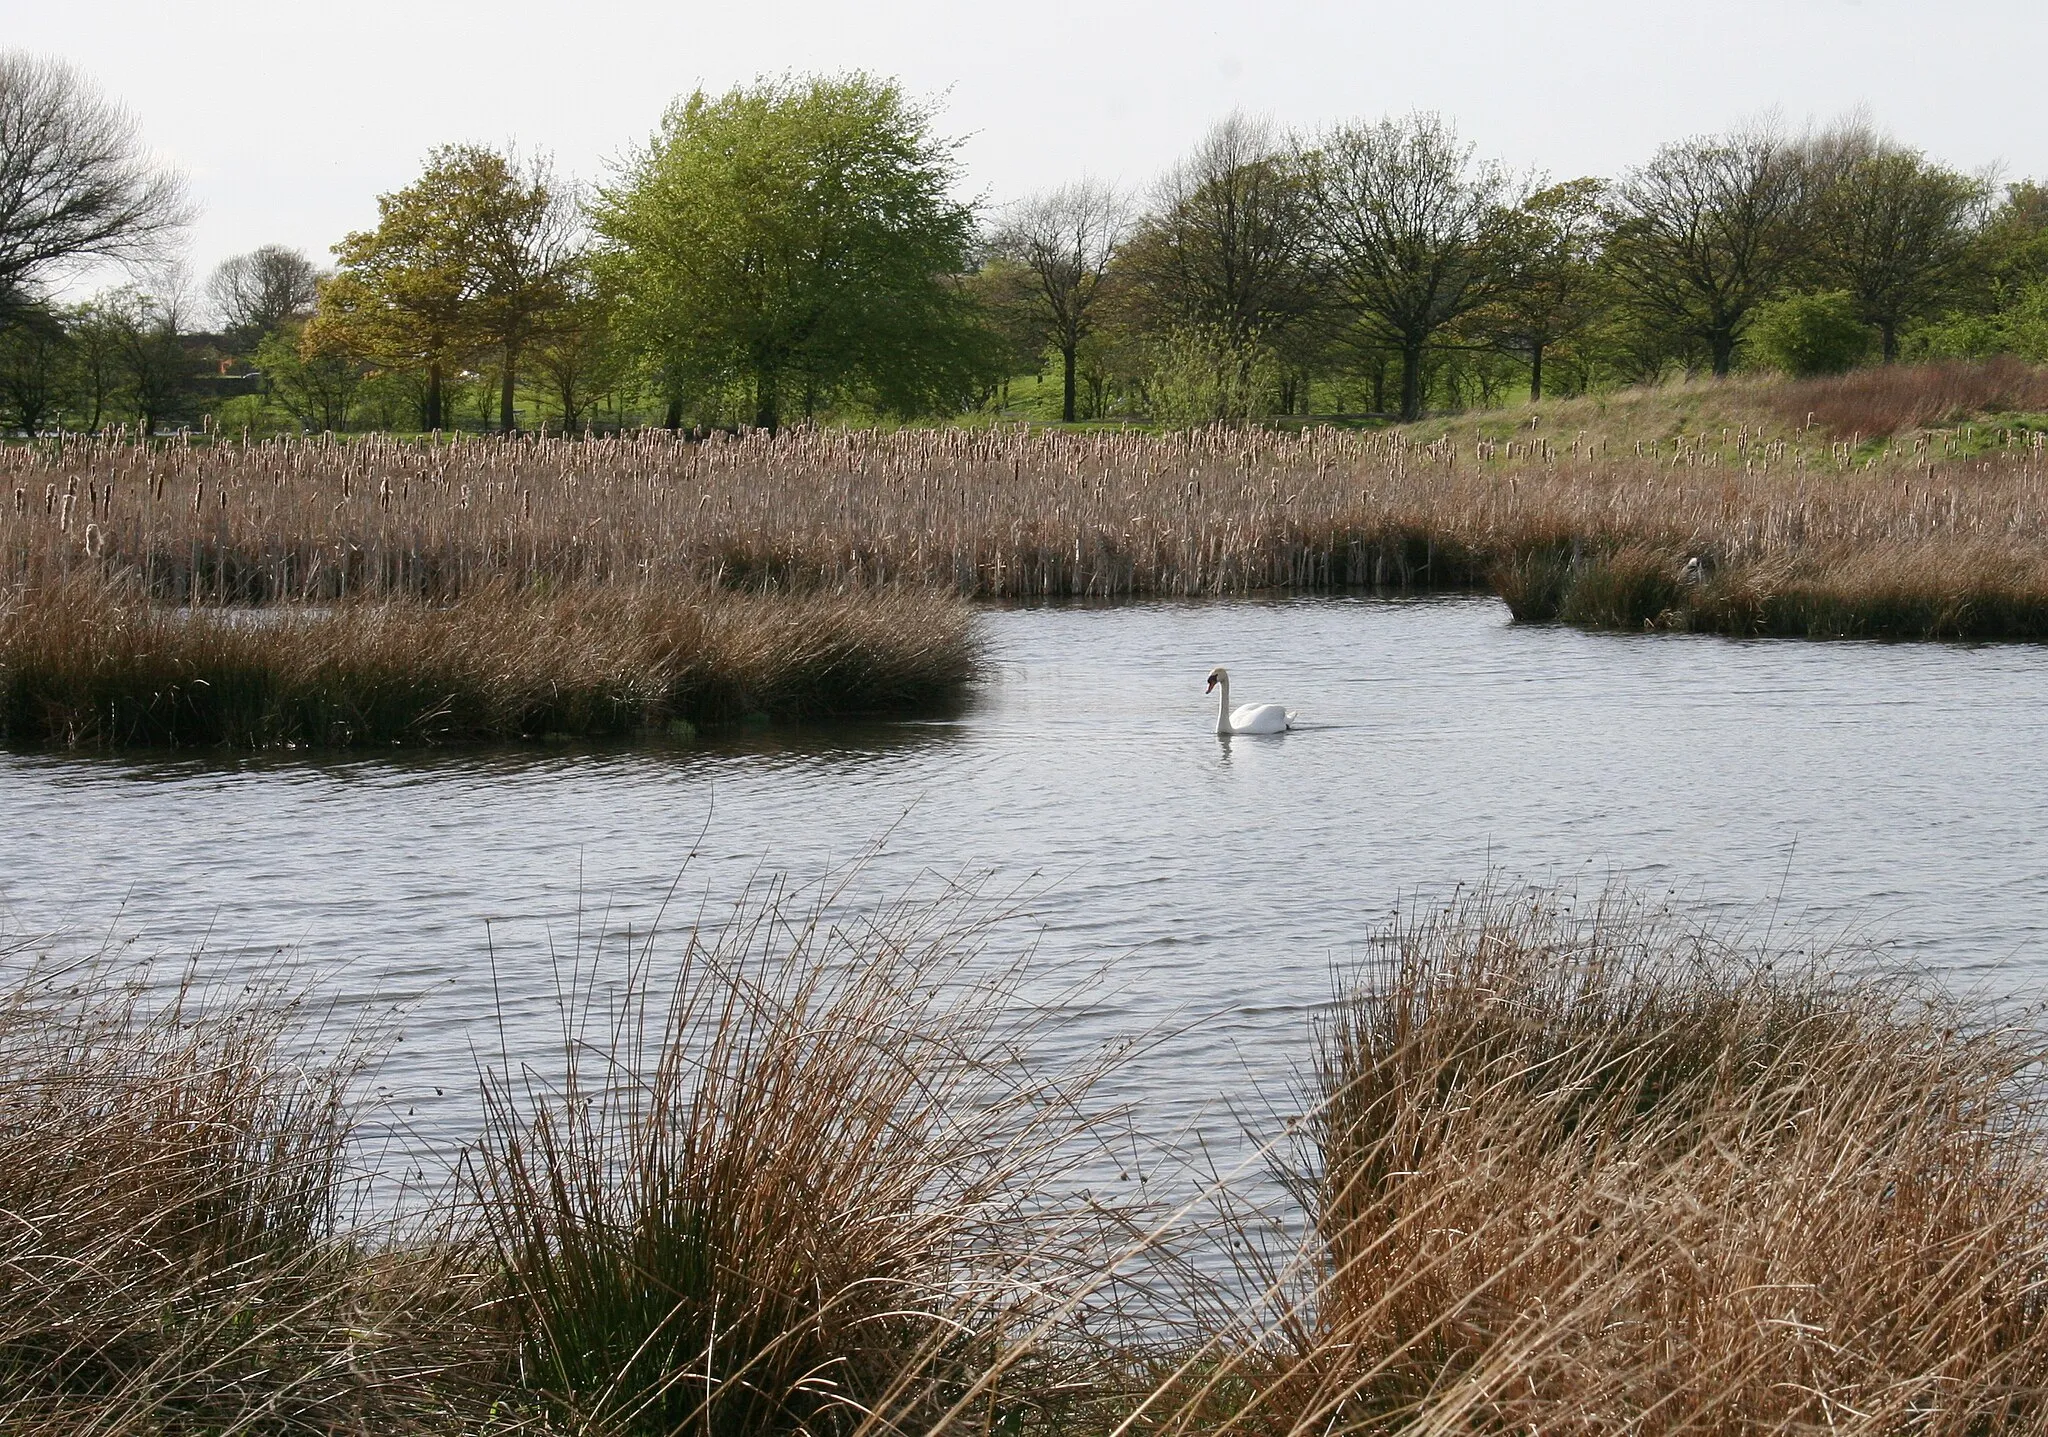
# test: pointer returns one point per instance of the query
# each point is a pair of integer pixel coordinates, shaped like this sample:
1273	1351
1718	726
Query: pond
1888	792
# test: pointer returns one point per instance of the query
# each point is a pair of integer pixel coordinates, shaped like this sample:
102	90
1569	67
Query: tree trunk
674	419
1890	330
1723	344
1411	380
1535	373
505	414
1067	384
765	414
433	412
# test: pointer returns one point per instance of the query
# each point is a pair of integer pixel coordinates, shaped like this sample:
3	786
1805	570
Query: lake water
1890	790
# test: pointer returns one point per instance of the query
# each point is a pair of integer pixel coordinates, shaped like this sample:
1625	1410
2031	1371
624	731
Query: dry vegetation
1796	532
90	663
1557	1172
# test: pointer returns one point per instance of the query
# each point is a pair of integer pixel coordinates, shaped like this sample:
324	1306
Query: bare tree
1229	247
1065	239
1893	229
1414	232
76	183
1706	231
254	294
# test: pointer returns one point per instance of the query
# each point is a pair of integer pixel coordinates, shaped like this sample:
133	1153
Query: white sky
290	118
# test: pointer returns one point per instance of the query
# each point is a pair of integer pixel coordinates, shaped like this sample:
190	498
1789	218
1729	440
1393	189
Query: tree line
797	248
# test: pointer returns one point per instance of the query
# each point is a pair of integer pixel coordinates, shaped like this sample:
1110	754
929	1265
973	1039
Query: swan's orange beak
1211	687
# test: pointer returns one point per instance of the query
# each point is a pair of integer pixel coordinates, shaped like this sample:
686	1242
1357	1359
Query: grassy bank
1596	1173
1802	529
90	663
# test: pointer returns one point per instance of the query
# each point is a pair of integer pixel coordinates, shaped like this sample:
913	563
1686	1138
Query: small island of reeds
92	663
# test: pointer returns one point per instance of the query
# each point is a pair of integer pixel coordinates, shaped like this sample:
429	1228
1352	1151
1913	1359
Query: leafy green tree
1809	334
1415	235
1705	232
405	292
314	378
583	357
155	368
475	256
1550	290
95	337
797	237
1896	232
35	368
1226	256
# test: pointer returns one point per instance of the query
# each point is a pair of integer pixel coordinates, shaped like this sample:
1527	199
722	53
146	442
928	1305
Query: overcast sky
290	118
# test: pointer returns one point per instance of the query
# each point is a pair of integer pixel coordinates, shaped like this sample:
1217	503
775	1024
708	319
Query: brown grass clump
172	1254
798	1188
1898	398
92	664
1598	1173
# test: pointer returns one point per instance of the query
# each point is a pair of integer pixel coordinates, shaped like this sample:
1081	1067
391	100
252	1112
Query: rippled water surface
1893	790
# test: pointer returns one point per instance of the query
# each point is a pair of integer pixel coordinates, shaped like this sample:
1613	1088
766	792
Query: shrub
1810	334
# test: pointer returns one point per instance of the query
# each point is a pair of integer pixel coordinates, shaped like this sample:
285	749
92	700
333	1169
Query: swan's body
1247	718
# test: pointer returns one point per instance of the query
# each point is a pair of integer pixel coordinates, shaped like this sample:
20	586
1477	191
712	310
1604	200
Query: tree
95	336
149	352
1228	253
1896	232
1706	231
410	293
1063	241
797	238
35	360
314	378
1550	289
526	229
255	294
1414	234
76	184
581	358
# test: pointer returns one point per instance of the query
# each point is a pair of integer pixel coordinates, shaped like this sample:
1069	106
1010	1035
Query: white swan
1252	718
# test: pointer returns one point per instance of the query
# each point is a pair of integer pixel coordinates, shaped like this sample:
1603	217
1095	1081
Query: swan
1252	718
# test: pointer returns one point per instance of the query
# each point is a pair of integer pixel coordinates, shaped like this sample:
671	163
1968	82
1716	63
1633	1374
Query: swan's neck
1223	706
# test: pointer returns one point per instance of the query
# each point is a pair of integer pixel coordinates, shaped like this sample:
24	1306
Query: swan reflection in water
1248	718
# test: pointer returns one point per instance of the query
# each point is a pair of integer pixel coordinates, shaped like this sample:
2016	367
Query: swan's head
1217	676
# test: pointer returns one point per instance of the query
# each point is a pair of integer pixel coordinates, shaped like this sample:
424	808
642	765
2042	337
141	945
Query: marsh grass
1605	1172
174	1221
90	663
1791	514
1553	1168
798	1183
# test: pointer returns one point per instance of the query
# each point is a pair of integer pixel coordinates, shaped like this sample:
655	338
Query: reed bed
1797	532
1594	1171
91	663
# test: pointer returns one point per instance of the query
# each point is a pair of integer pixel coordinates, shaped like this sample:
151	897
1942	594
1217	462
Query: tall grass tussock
1554	1169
